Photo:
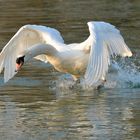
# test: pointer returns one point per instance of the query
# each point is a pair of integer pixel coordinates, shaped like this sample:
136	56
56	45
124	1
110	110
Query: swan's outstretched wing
26	37
105	40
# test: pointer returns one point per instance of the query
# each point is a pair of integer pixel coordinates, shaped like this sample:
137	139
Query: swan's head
19	63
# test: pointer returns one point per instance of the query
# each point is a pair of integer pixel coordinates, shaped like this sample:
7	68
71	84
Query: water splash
125	74
65	82
122	74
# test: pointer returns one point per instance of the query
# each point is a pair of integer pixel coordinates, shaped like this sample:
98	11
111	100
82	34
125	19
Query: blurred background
70	17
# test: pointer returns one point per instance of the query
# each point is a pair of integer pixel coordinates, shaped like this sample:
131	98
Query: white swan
89	59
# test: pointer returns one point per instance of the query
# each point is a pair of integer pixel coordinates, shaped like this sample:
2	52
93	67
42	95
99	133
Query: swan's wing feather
26	37
105	41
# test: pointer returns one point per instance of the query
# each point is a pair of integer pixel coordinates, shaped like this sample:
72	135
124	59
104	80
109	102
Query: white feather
105	40
26	37
90	58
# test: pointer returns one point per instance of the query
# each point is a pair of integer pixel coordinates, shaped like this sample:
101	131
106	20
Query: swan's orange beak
18	67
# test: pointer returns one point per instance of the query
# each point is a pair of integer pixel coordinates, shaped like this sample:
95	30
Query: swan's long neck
38	50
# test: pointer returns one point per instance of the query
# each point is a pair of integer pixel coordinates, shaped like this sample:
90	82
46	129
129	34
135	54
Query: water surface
33	105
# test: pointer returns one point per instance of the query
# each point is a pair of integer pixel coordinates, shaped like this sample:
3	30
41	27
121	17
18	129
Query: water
38	104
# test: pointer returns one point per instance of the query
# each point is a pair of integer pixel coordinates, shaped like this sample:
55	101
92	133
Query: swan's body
89	59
